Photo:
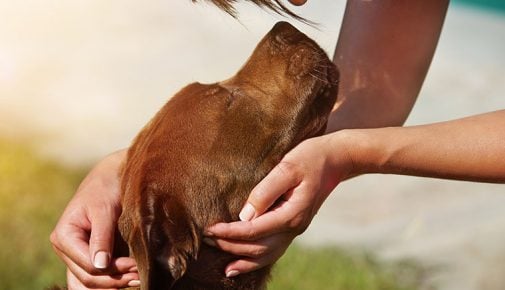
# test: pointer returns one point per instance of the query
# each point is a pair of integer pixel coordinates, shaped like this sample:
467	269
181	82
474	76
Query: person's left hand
282	205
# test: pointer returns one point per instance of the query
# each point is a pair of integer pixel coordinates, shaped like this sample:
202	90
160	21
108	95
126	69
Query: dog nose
286	34
283	26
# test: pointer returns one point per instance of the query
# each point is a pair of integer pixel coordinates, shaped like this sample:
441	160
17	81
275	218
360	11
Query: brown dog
195	163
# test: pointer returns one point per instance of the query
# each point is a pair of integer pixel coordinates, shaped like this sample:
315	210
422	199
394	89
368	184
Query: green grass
332	269
34	191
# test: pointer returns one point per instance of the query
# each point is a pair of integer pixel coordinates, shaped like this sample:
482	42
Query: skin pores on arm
383	53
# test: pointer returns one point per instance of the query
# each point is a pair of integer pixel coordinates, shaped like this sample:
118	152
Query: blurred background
78	80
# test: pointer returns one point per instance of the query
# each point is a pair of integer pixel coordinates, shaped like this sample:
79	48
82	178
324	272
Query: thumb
279	181
101	240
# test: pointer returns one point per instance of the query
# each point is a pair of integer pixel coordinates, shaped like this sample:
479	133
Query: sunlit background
78	79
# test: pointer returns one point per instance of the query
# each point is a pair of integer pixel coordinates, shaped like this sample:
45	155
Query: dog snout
285	34
303	60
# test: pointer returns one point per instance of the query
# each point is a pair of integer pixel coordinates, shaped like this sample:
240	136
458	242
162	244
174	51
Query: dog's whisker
318	78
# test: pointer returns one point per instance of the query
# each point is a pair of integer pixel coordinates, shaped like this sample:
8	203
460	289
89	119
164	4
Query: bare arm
471	149
84	235
383	53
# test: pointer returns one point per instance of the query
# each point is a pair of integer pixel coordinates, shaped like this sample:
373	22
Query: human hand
283	204
84	235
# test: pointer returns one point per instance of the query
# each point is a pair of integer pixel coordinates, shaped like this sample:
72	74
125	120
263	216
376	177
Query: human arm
84	235
471	149
466	149
383	53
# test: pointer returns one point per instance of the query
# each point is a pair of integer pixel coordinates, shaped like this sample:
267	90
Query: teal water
495	5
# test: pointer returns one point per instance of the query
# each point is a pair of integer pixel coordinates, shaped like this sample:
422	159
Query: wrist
366	150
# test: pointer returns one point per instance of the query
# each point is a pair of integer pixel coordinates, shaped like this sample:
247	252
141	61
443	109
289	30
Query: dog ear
161	238
171	240
182	241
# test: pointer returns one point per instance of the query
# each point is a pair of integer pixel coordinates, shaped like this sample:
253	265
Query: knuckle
250	234
53	238
287	168
257	252
291	170
57	238
88	281
297	224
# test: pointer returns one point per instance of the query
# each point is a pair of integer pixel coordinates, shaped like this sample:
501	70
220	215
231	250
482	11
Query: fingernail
101	260
232	273
247	212
209	242
134	283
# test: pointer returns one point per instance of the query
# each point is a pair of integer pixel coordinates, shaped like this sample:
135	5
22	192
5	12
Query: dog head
291	78
195	163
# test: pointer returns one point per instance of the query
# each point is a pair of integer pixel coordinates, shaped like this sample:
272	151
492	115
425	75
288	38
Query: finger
279	181
123	265
243	266
71	243
104	281
240	248
247	265
118	266
101	241
74	284
276	221
248	249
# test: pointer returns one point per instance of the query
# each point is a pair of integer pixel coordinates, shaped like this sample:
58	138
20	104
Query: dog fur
196	162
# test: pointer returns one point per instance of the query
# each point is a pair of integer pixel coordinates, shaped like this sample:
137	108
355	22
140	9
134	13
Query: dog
195	163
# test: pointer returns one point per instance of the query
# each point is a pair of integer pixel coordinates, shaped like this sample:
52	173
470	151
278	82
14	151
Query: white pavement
456	227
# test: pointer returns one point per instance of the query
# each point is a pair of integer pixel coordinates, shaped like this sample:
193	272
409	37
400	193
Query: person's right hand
84	235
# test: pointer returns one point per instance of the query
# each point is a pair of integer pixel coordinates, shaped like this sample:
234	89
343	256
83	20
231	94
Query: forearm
471	149
383	54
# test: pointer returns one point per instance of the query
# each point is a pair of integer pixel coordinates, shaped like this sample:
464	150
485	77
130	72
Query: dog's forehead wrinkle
253	91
